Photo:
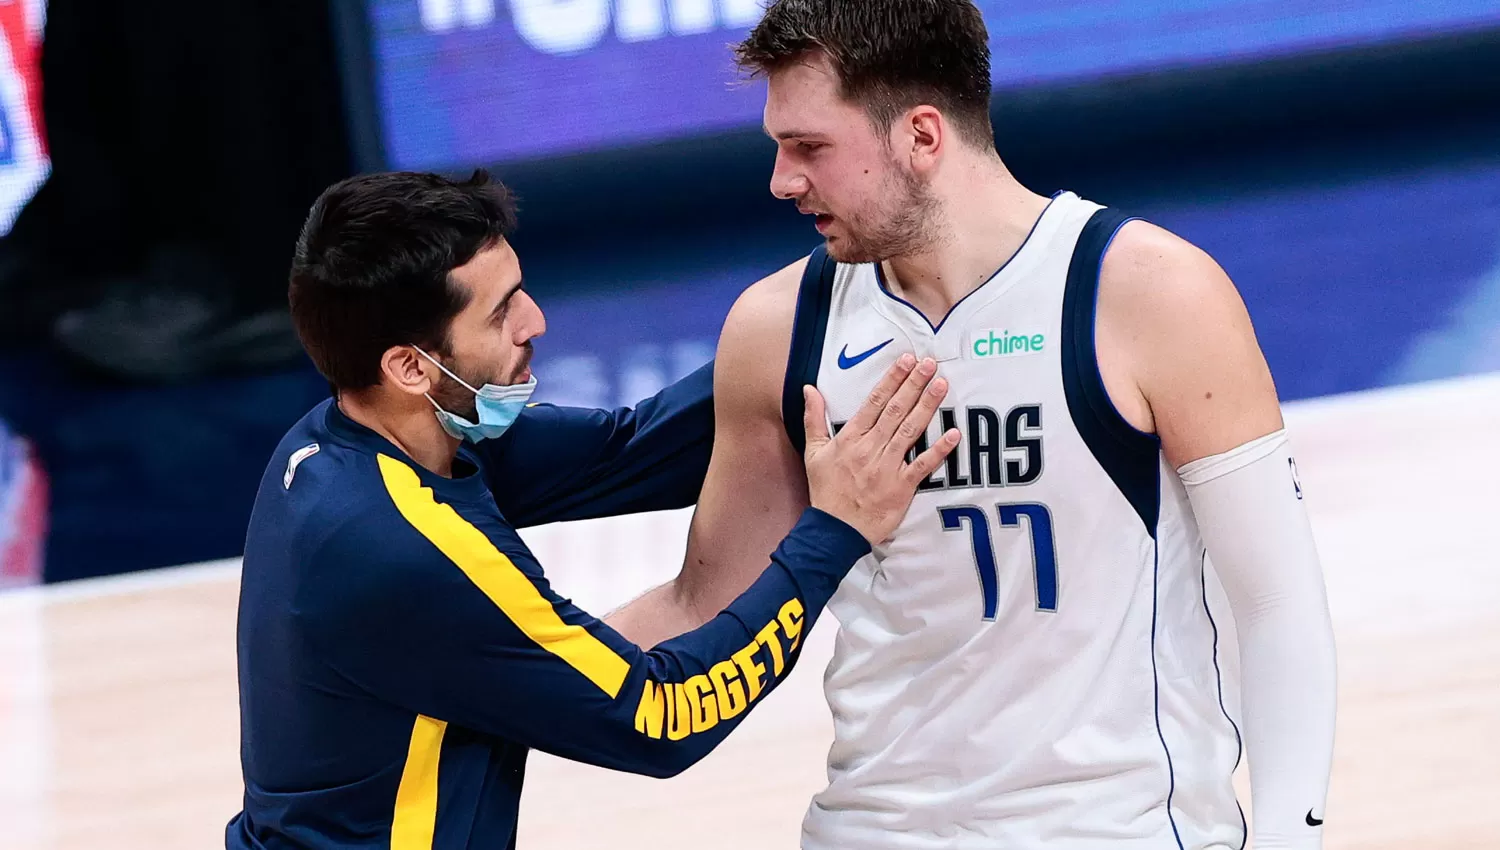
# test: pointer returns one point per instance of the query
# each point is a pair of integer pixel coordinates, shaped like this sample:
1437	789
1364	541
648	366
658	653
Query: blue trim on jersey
1130	456
1219	681
809	330
881	284
1156	686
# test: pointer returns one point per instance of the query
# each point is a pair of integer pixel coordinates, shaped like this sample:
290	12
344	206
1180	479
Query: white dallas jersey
1030	662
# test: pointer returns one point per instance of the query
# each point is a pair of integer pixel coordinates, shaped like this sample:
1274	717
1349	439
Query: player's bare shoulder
1174	339
1161	297
1153	278
766	307
757	336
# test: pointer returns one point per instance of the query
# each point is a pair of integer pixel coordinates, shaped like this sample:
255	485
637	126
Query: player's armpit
756	485
1177	349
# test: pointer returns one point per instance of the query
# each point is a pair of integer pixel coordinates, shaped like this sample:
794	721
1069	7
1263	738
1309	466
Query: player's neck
983	218
411	429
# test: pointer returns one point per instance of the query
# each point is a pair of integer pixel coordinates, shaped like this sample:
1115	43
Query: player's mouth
823	221
525	374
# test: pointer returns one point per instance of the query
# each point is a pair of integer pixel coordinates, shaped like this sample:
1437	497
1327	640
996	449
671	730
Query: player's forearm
1289	692
1249	507
718	568
694	597
687	694
661	613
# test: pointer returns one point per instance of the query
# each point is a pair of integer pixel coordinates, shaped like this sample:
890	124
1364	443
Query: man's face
835	165
489	341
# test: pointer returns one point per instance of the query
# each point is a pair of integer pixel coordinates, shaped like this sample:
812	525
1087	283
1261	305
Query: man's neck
983	220
413	430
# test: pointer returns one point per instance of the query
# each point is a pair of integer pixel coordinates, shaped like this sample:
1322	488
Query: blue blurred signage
470	82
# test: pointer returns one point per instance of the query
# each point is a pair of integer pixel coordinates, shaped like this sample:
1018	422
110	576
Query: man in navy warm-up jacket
400	650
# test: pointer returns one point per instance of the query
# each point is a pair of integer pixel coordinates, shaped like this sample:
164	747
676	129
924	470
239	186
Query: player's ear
925	134
406	370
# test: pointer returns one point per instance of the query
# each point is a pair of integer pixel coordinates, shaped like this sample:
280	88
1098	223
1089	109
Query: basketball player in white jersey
1032	660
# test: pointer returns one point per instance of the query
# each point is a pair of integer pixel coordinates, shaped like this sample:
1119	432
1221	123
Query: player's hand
862	476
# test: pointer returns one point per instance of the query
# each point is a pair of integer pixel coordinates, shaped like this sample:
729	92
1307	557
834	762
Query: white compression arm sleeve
1248	502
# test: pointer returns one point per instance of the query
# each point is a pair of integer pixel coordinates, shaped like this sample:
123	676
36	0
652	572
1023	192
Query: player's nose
786	182
533	323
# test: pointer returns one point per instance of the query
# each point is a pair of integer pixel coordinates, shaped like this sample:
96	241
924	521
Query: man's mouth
525	374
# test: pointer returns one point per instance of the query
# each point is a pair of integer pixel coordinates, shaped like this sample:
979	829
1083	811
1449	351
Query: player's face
489	341
833	162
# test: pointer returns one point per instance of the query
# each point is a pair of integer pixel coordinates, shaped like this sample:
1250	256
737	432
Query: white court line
1364	402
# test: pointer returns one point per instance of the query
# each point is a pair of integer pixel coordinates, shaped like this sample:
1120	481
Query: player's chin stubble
900	228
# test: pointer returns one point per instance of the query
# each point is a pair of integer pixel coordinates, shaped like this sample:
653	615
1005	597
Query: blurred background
1341	158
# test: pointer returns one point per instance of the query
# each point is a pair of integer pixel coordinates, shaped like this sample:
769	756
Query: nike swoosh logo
1312	821
847	362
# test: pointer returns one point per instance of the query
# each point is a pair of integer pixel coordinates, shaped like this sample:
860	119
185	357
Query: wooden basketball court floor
118	715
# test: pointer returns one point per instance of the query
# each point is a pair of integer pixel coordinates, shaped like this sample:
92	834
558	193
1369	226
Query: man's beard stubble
904	226
458	400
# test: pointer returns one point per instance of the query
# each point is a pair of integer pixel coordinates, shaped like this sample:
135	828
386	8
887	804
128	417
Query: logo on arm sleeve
296	460
680	709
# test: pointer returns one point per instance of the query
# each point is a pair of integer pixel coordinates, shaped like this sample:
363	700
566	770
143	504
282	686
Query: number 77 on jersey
1043	549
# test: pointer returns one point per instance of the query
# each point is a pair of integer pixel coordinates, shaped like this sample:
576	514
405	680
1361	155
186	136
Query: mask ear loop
445	372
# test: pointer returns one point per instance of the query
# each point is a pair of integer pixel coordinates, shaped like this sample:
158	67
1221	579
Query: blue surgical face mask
498	407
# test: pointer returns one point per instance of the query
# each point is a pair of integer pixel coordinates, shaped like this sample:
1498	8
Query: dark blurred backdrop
1344	170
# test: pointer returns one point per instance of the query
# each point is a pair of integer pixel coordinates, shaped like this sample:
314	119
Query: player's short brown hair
890	55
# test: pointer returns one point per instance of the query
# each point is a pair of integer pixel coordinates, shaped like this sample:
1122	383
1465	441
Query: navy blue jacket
400	650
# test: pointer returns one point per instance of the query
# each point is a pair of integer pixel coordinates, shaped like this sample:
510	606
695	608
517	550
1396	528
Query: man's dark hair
890	55
372	266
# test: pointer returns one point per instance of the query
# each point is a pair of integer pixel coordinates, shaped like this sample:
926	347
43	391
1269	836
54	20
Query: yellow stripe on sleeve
416	798
506	586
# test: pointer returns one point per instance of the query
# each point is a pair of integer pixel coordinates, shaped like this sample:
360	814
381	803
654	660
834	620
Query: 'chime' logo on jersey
995	450
994	342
